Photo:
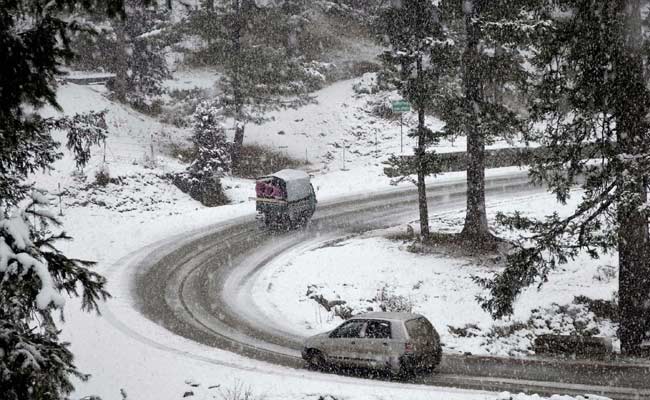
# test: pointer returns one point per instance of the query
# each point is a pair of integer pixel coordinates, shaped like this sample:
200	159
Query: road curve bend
198	290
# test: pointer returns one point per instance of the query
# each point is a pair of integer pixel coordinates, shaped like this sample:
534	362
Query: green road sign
401	106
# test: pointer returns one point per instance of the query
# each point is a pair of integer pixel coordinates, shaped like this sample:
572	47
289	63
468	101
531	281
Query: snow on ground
140	207
345	120
370	271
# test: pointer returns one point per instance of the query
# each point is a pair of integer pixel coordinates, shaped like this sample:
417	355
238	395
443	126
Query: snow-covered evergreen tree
35	276
490	36
258	75
201	180
593	99
132	48
418	56
210	142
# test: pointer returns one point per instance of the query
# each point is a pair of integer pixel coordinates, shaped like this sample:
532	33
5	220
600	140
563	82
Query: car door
343	346
376	343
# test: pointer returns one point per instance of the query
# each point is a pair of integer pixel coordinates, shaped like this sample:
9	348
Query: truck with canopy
285	198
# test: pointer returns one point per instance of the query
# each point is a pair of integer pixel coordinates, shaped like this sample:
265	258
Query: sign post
401	106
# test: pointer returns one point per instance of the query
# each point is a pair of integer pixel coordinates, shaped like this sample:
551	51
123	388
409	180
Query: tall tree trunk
634	271
238	143
633	241
421	150
476	226
236	83
120	85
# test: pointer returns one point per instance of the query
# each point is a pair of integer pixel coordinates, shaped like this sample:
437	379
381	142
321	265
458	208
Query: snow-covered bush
179	109
380	104
102	176
388	301
367	84
238	391
315	74
35	278
385	300
208	190
517	337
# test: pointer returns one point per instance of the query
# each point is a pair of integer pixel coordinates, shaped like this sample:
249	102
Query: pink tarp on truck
269	189
285	198
287	184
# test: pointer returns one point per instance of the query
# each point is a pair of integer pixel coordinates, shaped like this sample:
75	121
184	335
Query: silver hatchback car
402	343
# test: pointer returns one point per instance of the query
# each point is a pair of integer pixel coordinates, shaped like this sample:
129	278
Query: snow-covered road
200	288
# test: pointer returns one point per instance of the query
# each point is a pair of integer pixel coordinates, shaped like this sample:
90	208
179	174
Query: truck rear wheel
268	221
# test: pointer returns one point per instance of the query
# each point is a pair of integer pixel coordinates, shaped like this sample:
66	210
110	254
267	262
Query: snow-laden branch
16	259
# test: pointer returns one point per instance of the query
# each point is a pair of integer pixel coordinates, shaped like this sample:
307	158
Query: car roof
391	316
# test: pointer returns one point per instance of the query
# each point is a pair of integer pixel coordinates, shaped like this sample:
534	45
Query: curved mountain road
201	290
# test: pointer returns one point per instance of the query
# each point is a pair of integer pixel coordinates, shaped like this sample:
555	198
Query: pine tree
418	57
35	41
202	178
35	276
132	48
258	75
141	66
592	95
210	142
490	35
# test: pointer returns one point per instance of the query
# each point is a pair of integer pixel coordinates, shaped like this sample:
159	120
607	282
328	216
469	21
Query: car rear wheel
437	357
435	361
407	370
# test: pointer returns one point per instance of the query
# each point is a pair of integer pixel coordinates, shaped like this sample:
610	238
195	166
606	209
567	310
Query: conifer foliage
139	61
593	98
201	180
418	56
83	131
258	74
132	48
209	139
489	38
35	276
34	41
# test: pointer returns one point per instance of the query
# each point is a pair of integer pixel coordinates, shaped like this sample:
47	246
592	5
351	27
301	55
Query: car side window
351	329
378	330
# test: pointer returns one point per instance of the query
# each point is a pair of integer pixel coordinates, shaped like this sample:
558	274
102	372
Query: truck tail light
409	347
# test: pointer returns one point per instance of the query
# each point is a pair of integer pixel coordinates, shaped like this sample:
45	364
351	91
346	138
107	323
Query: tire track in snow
184	273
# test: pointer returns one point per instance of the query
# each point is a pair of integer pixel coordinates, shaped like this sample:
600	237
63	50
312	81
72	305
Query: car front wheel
317	360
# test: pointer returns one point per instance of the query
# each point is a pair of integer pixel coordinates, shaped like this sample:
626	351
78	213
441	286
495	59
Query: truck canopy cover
297	183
